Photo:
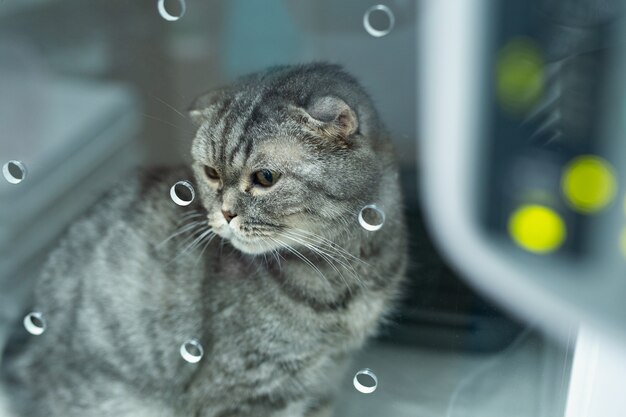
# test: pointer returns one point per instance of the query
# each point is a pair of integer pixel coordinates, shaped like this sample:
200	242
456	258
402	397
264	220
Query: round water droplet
378	20
172	17
34	323
365	381
191	351
371	218
14	171
182	193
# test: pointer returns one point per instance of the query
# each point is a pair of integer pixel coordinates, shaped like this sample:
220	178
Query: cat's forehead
262	144
269	151
243	128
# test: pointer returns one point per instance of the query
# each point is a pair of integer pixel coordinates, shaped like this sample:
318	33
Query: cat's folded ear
330	116
204	105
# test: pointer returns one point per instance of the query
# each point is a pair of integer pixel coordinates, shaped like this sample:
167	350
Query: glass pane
213	208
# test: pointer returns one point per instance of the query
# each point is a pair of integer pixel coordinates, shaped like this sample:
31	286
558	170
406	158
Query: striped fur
277	323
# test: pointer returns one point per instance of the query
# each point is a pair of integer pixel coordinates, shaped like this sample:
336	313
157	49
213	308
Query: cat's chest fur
258	338
257	335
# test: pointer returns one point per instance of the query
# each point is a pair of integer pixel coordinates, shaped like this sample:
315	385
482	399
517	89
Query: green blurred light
519	75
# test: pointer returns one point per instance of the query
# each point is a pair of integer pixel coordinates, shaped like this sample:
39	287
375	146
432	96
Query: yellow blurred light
588	183
537	229
623	242
519	75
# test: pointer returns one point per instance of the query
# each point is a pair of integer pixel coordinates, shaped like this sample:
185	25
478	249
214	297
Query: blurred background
91	90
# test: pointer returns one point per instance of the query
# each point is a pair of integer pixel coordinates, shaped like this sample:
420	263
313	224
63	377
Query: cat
269	271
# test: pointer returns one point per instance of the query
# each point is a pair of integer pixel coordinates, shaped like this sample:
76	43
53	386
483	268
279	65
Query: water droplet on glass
182	193
379	20
191	351
365	381
14	171
34	323
177	14
371	218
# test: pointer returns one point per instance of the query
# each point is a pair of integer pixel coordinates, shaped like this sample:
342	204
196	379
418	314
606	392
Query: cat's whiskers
195	243
324	255
169	105
335	249
206	245
321	243
323	248
344	215
278	257
332	252
302	257
191	215
199	230
170	124
330	244
275	253
183	229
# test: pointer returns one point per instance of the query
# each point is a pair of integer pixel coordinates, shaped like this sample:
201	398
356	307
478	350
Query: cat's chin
250	247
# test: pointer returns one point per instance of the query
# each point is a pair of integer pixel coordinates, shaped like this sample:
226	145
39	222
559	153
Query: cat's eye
211	173
265	177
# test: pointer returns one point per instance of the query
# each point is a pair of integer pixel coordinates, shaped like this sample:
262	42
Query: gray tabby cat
283	162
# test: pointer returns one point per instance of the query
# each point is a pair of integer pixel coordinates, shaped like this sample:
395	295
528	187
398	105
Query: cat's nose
228	215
